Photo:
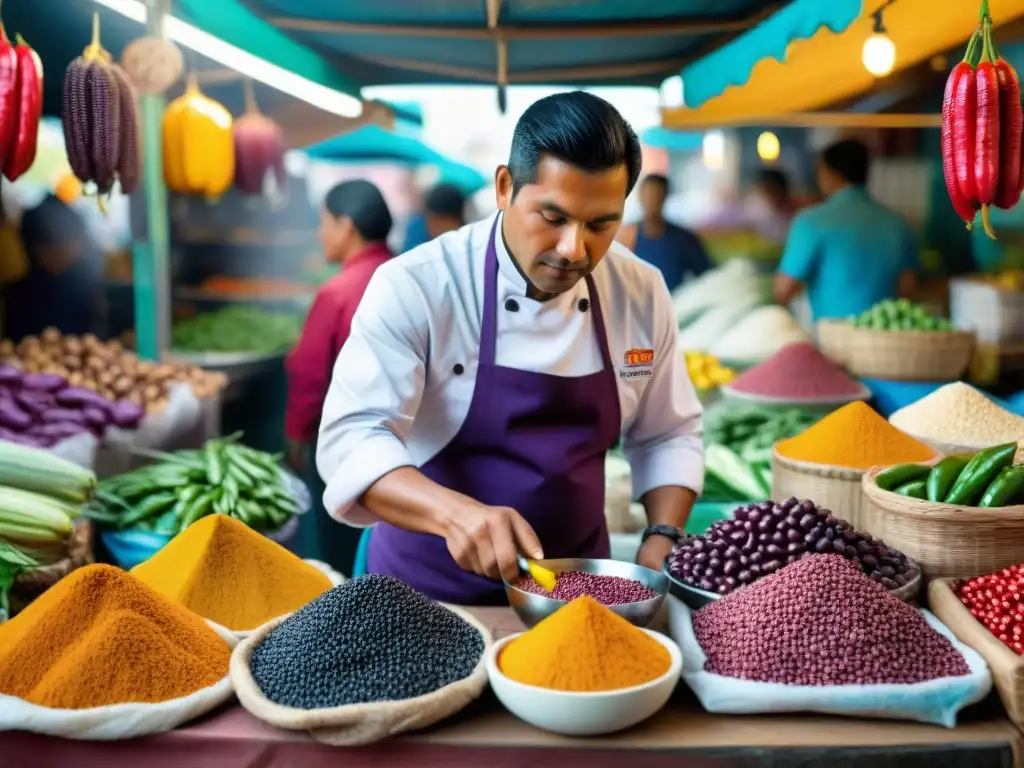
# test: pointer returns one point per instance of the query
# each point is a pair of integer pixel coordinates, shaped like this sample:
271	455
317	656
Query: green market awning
731	64
373	144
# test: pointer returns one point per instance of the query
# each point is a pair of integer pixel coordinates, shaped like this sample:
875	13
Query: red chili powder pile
797	371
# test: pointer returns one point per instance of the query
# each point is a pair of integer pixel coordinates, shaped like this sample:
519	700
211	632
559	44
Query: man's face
652	199
560	227
334	233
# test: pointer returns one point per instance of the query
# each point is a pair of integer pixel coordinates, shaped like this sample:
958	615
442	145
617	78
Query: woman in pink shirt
354	226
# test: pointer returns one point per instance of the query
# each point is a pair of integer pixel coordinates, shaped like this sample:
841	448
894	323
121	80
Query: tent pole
150	255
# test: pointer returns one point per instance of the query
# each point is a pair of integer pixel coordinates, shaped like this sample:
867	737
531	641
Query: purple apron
531	441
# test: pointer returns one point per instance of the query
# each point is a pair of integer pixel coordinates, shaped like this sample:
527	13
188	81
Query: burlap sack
357	724
337	579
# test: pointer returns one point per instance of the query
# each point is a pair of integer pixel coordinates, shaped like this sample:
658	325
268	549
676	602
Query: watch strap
668	531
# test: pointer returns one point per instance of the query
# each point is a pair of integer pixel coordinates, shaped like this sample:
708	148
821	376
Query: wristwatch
668	531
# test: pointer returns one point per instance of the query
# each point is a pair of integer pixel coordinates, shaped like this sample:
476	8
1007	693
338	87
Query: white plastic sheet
935	702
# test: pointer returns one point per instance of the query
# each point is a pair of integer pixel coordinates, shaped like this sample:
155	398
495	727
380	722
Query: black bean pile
372	639
821	621
764	537
607	590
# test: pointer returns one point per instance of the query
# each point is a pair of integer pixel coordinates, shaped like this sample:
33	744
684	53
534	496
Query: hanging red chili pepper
8	98
958	135
986	143
22	152
982	122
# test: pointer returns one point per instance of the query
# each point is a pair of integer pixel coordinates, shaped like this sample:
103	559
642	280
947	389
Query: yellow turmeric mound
584	647
228	573
855	437
98	637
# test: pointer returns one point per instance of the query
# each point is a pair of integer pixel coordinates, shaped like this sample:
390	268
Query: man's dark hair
364	205
578	128
849	158
658	180
774	181
446	200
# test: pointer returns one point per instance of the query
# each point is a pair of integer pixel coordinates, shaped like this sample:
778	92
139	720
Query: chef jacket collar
510	273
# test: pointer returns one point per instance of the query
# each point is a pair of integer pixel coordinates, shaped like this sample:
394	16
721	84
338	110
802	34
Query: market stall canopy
827	68
373	144
584	42
60	30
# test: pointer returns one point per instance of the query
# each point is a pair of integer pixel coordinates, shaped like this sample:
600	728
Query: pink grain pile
797	370
607	590
821	621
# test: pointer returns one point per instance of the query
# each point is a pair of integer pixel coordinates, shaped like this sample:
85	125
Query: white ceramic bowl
585	713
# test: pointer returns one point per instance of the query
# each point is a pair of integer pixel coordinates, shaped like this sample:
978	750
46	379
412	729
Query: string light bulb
768	147
879	52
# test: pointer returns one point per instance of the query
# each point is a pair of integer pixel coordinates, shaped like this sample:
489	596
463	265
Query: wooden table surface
486	735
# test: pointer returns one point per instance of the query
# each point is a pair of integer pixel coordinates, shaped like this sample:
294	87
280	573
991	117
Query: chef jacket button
584	305
458	369
511	305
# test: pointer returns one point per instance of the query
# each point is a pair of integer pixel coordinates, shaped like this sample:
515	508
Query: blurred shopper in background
848	252
769	208
444	209
677	252
354	227
63	284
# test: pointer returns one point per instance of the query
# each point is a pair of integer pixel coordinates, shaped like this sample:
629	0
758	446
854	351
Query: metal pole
151	255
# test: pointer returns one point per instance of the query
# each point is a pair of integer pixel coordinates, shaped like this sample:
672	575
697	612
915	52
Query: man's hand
297	455
653	552
485	539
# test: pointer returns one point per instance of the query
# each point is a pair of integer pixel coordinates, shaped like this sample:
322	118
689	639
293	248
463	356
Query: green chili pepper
915	489
901	474
1005	489
944	476
979	472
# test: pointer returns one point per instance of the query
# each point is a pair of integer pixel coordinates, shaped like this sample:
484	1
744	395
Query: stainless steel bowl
533	609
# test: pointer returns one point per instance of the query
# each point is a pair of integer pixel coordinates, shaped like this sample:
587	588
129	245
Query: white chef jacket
404	379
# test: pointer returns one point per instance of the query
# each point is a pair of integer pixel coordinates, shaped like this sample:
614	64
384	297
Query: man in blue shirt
677	252
849	252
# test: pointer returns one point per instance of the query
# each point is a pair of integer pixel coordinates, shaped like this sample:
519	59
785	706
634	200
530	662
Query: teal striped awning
732	63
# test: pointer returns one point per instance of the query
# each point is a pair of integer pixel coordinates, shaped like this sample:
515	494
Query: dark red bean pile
821	621
607	590
764	537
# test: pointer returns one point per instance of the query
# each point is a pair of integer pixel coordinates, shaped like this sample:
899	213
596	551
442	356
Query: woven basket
946	540
31	584
835	488
1007	667
906	355
832	340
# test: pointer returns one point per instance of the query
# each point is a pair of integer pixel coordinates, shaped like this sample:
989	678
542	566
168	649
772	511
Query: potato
73	346
108	393
135	396
91	341
151	393
162	373
90	384
123	385
156	406
6	347
114	346
76	378
71	362
106	378
95	363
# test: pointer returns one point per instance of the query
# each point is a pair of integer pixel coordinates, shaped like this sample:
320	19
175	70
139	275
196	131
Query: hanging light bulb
713	150
879	53
768	147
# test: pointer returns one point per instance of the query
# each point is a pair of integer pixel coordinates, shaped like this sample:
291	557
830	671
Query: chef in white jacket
489	371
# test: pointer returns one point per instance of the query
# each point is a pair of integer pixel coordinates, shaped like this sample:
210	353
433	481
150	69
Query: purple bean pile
607	590
821	621
764	537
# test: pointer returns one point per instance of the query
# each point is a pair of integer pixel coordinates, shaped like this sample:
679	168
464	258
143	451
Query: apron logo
638	364
638	357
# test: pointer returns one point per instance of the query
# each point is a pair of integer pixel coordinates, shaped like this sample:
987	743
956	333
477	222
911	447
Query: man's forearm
407	499
668	505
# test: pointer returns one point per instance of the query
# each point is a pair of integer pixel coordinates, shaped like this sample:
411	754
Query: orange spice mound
100	636
584	647
855	437
228	573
